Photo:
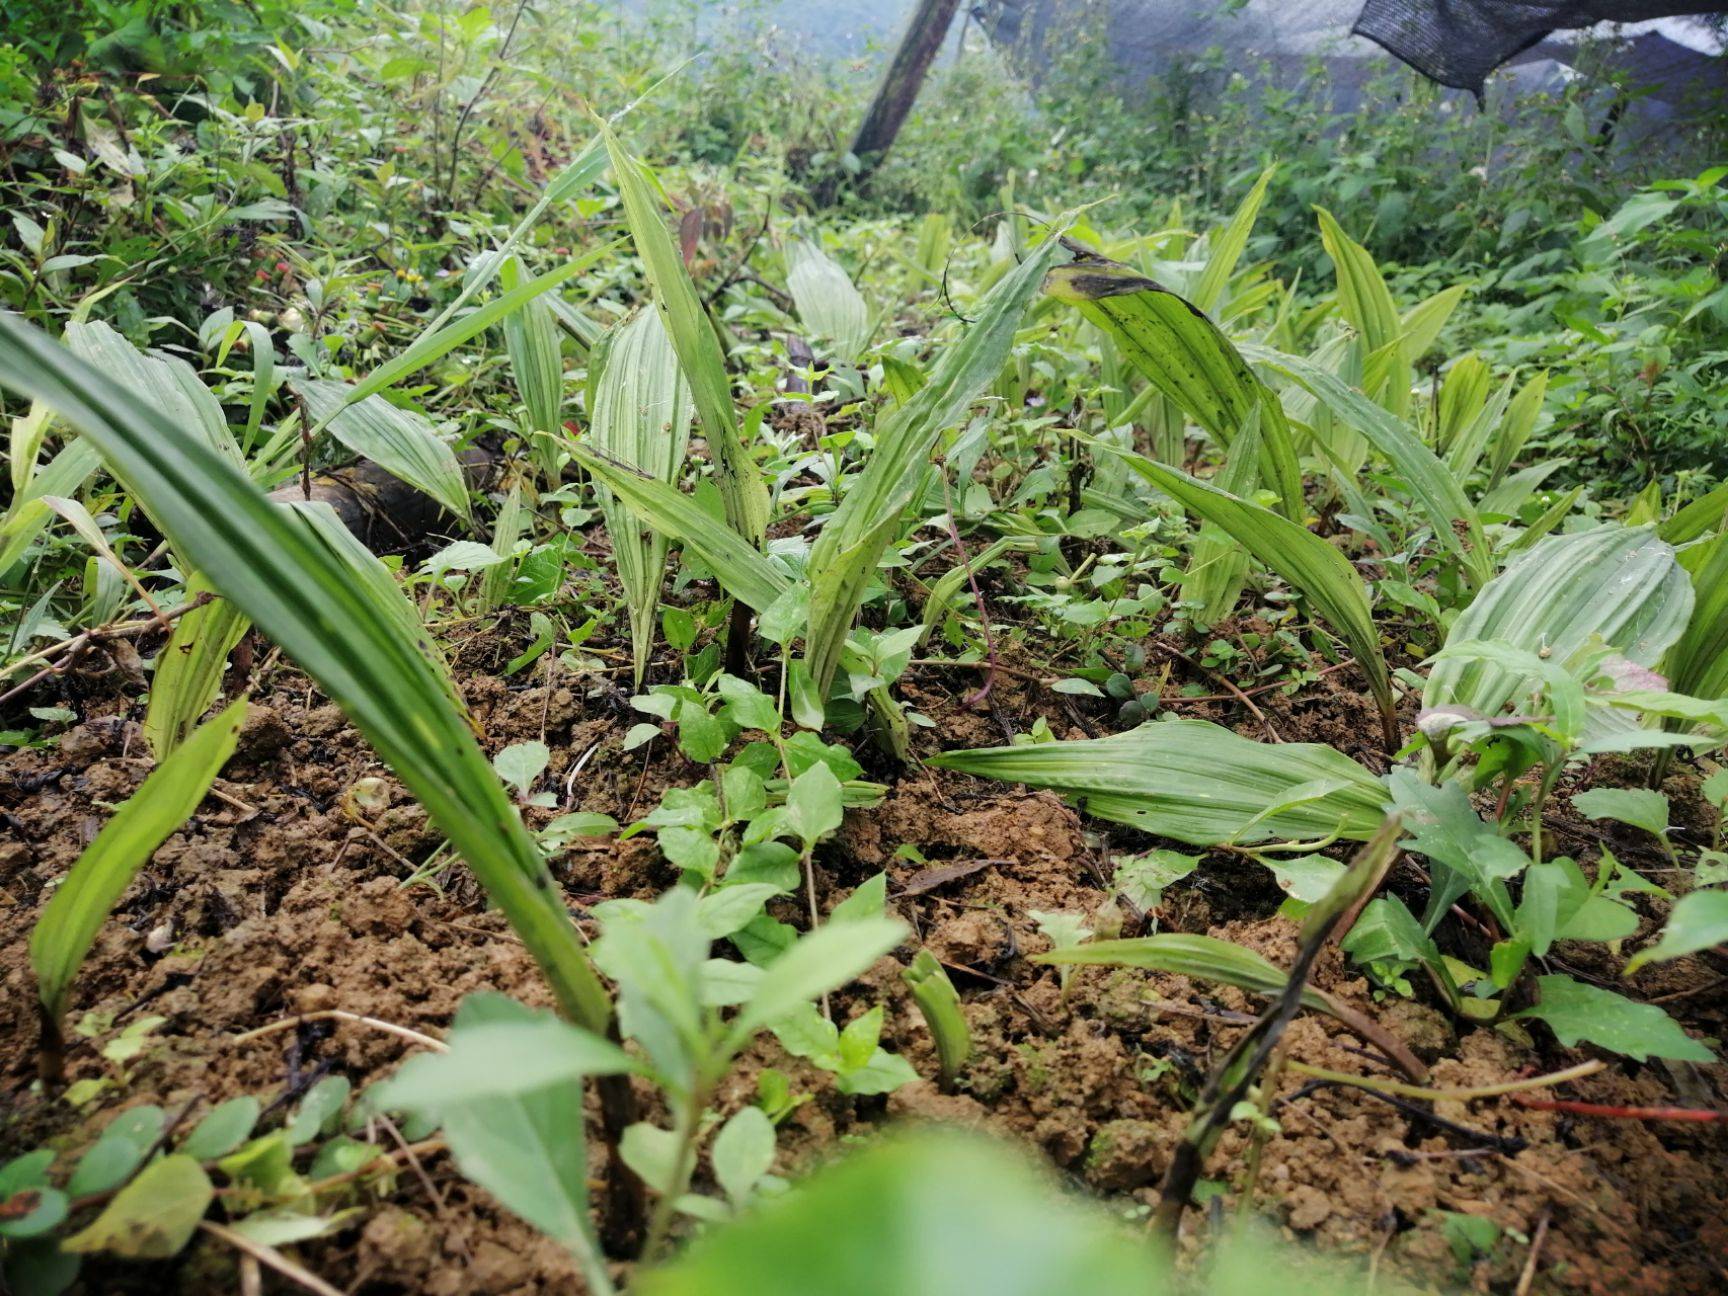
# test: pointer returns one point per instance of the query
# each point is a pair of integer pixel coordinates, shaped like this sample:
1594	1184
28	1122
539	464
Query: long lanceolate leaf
531	338
1313	568
1186	357
74	915
1618	586
305	598
854	537
1366	302
440	339
1449	511
698	348
743	570
1225	248
640	416
1197	782
189	668
1698	663
827	302
401	442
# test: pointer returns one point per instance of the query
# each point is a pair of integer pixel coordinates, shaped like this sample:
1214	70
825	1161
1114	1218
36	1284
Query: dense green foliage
1216	379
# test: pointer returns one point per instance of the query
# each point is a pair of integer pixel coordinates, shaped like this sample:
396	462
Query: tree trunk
902	81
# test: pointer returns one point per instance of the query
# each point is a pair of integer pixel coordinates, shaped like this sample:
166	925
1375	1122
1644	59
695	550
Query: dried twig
341	1014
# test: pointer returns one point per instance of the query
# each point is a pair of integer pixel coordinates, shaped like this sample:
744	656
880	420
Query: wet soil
274	901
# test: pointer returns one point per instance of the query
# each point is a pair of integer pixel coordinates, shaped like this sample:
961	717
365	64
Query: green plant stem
688	1132
1550	776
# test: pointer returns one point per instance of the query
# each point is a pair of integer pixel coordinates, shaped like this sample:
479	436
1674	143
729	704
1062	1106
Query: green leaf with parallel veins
401	442
1186	357
1194	781
1550	601
306	592
1313	568
173	790
693	338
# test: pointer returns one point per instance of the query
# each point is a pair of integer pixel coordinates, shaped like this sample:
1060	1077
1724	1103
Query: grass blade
166	382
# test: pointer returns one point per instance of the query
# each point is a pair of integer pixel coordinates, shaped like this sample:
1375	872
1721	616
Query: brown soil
276	902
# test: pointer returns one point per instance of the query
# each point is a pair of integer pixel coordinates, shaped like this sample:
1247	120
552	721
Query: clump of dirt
275	900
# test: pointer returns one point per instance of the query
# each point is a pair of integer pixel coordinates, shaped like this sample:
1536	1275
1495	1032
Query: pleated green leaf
1442	500
1366	302
531	340
639	416
307	599
1422	322
401	442
1618	586
1514	431
168	383
1702	516
741	568
1197	782
1203	958
188	673
853	538
82	903
1698	662
828	303
694	341
1224	249
1186	357
1313	568
63	475
1217	562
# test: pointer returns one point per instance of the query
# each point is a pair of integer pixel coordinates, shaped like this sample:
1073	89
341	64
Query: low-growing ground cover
1235	717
